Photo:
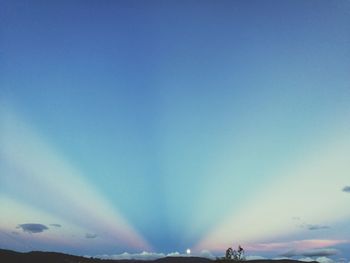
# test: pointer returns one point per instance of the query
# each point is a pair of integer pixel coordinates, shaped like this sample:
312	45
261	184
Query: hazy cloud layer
141	256
89	235
152	256
56	225
321	252
33	228
297	245
317	252
346	189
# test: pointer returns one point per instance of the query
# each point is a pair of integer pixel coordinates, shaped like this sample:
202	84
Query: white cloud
152	255
206	254
323	260
306	259
319	259
254	257
141	256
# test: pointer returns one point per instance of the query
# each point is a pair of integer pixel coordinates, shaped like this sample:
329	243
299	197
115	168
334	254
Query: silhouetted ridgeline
8	256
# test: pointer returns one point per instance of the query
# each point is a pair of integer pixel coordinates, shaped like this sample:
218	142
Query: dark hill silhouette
8	256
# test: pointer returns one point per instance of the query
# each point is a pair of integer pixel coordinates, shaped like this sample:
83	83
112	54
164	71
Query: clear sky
157	126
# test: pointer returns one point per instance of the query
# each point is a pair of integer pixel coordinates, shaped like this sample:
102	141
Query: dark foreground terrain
8	256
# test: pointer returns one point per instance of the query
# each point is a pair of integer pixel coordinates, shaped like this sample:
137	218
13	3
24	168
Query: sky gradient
130	126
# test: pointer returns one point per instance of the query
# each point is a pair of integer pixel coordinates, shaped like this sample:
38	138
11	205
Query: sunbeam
37	171
302	193
151	128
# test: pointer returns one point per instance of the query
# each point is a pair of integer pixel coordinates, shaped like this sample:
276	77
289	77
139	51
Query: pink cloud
296	244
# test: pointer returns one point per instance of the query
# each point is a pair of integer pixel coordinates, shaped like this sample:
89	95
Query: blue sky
167	125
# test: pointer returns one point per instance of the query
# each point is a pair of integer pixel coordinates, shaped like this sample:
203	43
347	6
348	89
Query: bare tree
229	253
237	255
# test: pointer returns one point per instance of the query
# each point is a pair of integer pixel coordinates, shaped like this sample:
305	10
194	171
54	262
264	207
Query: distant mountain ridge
9	256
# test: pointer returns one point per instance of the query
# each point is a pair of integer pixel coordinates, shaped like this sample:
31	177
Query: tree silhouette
229	253
236	255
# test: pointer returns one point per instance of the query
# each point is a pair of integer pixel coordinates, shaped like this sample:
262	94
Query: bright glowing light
188	251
